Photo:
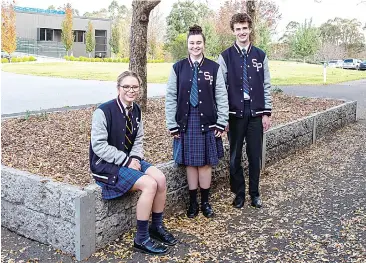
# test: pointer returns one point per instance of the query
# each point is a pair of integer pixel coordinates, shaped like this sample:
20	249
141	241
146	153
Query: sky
292	10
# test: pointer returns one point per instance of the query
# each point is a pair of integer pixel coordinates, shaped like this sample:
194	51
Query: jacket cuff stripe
220	127
125	161
173	130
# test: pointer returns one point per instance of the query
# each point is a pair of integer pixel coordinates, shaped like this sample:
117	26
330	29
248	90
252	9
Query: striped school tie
129	129
194	89
245	73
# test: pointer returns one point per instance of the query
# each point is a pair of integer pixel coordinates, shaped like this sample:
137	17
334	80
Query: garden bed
56	145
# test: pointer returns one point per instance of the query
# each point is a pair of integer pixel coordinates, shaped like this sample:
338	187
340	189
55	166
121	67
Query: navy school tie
245	73
194	89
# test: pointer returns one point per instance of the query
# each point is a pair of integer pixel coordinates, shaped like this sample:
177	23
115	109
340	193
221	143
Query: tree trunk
252	12
138	43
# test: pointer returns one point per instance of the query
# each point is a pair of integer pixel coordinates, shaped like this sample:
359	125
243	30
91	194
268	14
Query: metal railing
41	48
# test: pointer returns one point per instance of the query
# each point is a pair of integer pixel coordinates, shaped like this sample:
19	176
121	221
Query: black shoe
161	234
151	247
256	202
207	210
239	201
192	210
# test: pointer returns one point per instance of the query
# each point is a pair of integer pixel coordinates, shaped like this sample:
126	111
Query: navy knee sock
156	219
142	231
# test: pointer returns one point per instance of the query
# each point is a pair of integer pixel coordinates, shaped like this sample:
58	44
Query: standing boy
247	78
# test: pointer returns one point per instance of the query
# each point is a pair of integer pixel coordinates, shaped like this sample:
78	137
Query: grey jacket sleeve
137	150
221	101
223	67
99	141
267	87
171	102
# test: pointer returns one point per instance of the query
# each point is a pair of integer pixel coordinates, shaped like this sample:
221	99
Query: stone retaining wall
78	221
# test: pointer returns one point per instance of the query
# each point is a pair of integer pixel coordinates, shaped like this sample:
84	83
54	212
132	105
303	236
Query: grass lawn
282	73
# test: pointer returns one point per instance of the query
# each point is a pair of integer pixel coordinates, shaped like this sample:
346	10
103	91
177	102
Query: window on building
79	36
45	34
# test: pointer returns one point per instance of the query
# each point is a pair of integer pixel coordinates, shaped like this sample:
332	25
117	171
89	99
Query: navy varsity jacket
231	62
107	151
212	96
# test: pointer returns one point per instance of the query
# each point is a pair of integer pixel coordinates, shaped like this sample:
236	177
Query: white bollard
325	73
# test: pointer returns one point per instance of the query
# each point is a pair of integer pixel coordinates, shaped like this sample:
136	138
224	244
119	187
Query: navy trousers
251	129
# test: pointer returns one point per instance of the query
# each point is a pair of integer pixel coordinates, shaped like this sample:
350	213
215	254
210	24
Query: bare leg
205	174
192	177
160	197
148	188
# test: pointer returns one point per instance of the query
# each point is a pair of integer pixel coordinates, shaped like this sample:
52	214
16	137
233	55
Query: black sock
142	233
204	195
193	196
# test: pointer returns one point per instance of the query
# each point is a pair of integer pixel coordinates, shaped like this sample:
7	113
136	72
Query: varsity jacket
231	63
212	96
107	151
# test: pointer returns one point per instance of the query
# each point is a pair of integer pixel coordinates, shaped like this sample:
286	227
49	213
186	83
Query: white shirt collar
125	105
241	47
199	61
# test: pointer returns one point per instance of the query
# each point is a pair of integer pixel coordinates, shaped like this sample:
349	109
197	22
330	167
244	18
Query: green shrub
24	59
4	60
31	58
125	60
67	58
72	58
15	59
115	60
98	60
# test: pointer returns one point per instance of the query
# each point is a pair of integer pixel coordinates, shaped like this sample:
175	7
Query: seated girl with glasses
117	164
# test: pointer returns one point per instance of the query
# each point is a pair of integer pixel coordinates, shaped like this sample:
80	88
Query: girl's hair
240	18
196	30
128	73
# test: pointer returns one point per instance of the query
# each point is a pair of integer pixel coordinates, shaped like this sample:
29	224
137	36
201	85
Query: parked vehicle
4	55
351	63
335	63
363	65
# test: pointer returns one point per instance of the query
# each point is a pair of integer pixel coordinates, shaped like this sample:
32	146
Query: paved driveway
354	90
20	93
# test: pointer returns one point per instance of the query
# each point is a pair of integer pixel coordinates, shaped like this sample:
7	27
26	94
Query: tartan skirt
197	148
127	177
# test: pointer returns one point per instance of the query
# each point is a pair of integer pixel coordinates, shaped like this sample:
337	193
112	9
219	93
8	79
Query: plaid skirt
127	177
197	148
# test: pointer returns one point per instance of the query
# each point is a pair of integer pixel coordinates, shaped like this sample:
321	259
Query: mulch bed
56	145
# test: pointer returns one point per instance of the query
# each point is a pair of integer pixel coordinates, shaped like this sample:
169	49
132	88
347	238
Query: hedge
18	59
114	60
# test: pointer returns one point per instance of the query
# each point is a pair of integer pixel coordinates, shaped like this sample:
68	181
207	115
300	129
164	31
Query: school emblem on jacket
256	64
208	77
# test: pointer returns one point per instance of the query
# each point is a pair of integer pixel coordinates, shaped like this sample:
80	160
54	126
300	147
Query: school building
39	33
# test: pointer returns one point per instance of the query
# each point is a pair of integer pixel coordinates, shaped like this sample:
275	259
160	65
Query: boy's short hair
240	18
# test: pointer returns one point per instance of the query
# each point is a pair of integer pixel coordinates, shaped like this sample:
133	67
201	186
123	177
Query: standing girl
197	113
117	164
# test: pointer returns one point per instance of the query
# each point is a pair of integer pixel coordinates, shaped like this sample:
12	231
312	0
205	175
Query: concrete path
21	93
